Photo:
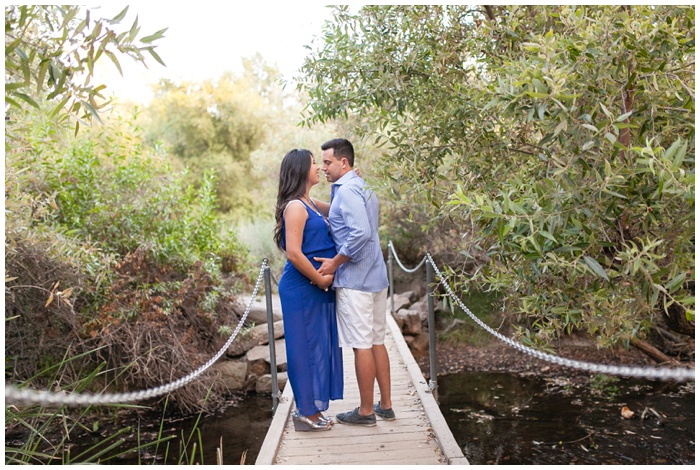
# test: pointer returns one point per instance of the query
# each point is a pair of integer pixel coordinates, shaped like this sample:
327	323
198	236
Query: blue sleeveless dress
314	359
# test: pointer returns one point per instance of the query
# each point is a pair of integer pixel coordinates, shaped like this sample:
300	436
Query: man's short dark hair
342	148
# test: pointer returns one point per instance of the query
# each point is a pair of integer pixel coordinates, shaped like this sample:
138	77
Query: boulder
232	374
420	346
261	354
399	321
411	321
403	300
256	336
258	309
421	306
264	383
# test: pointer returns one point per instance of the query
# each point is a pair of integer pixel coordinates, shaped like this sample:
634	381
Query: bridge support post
431	332
390	265
271	337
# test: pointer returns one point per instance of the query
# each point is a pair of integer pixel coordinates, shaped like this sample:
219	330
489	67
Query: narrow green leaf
26	98
674	283
58	107
595	267
546	234
154	36
43	68
672	149
92	110
9	48
14	86
71	14
134	30
120	16
624	116
156	56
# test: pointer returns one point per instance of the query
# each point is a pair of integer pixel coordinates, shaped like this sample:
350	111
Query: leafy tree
211	126
557	141
50	55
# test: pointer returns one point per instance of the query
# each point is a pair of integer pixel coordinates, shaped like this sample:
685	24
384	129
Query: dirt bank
500	357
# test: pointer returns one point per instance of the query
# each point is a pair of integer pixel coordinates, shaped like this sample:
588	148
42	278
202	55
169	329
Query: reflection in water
241	429
504	419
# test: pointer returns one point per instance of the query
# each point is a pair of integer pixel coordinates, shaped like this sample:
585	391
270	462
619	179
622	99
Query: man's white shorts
361	317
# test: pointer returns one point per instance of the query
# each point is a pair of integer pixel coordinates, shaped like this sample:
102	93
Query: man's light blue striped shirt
354	219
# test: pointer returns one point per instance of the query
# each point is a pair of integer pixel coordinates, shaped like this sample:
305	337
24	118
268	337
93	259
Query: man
360	281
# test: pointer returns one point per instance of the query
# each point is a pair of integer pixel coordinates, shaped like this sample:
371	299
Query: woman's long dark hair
294	173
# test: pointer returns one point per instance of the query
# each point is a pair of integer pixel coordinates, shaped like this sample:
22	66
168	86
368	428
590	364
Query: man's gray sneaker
354	417
384	414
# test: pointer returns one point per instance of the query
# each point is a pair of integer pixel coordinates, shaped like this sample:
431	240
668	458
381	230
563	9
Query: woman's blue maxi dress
314	359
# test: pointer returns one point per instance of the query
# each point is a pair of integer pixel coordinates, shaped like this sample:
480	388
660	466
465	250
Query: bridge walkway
419	435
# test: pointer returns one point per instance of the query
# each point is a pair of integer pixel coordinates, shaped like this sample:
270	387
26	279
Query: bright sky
205	39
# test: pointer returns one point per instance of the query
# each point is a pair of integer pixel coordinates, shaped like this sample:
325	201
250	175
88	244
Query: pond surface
502	419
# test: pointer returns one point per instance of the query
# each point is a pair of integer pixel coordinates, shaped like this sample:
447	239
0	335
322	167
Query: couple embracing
333	289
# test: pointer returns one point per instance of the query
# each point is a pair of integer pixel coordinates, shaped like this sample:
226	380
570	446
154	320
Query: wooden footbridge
418	436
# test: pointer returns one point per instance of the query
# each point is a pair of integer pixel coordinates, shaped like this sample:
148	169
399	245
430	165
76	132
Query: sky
206	38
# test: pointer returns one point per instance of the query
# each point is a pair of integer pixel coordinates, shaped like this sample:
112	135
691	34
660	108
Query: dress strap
293	200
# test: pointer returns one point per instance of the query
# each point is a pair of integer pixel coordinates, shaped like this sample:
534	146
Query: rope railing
662	373
26	395
13	393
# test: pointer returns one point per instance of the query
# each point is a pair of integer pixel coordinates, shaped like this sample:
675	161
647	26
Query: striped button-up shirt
354	219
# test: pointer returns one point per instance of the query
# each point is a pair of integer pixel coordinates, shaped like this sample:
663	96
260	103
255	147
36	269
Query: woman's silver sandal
302	423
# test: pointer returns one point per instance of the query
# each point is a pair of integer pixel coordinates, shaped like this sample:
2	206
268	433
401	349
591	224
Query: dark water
500	419
238	431
503	419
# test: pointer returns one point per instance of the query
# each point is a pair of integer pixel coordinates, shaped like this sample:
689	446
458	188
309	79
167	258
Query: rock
258	309
399	321
420	346
232	374
421	307
258	367
411	319
264	383
262	354
403	300
256	336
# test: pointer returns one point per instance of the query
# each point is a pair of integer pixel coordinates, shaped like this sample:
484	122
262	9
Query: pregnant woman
314	359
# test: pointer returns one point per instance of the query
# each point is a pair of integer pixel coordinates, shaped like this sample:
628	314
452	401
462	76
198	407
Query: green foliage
129	199
50	55
556	141
211	127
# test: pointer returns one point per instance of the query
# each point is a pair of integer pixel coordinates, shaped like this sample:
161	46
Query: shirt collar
346	177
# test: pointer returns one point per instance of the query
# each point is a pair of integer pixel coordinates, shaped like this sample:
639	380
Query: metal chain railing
81	399
679	374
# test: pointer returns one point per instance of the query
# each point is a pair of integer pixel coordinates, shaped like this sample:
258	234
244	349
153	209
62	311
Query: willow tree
50	57
559	141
